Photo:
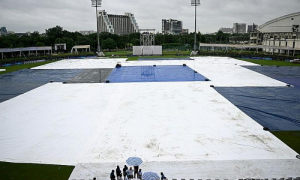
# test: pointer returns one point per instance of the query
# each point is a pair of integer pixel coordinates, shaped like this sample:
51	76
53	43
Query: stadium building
282	32
117	24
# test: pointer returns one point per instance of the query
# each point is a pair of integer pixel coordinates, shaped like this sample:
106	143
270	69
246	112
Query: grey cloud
31	15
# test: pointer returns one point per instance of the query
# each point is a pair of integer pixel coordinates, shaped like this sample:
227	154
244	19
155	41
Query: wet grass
65	55
290	138
135	58
10	69
176	52
129	53
119	53
270	62
17	171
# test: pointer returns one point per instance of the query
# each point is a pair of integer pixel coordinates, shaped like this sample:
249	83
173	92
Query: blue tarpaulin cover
19	82
276	108
289	74
154	74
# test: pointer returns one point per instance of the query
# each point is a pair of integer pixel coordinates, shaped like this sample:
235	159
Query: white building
282	31
117	24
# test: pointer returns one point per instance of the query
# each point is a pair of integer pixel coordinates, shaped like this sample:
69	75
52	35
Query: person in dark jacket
112	175
125	171
163	177
136	171
118	172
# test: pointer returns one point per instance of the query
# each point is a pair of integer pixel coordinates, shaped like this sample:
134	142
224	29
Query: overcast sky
76	15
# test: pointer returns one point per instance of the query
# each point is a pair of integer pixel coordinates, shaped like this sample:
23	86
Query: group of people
129	173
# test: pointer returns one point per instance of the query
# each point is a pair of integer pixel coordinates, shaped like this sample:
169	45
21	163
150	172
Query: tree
40	44
83	40
56	32
35	34
109	44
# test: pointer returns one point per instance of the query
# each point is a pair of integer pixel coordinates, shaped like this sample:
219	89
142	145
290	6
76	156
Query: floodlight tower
195	3
97	3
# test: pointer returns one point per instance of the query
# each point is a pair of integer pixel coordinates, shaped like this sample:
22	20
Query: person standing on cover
136	171
125	171
119	173
130	173
163	177
112	175
140	174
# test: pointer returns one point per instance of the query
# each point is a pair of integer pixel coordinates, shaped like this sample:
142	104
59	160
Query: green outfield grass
17	171
129	53
176	52
32	58
23	66
135	58
290	138
119	53
270	62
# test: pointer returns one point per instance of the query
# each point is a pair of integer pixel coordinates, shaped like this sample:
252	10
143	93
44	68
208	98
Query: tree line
108	41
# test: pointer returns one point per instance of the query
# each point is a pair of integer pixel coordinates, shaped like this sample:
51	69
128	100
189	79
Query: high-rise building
185	31
239	28
226	30
171	26
252	28
117	24
3	31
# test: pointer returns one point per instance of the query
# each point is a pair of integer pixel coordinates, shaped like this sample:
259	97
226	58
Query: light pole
97	3
195	3
294	43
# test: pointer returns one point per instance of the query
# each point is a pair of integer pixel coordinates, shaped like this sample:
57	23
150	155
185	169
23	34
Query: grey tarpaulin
289	75
92	76
19	82
276	108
